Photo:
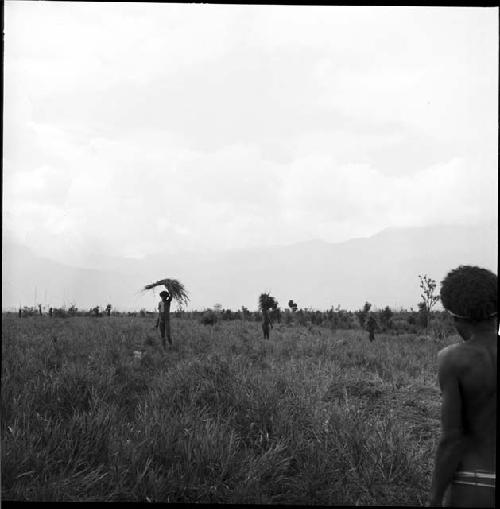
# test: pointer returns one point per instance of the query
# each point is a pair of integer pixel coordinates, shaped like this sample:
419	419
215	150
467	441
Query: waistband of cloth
475	478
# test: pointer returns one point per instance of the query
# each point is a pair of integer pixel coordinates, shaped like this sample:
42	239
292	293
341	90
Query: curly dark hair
470	292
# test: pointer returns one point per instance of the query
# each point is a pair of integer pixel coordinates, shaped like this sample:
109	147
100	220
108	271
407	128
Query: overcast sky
131	129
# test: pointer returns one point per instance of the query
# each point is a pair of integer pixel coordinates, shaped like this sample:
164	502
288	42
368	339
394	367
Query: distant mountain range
382	269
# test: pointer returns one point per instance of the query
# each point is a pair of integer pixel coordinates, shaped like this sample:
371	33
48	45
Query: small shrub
209	317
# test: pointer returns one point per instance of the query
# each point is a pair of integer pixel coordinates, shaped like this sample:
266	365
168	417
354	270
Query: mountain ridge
382	269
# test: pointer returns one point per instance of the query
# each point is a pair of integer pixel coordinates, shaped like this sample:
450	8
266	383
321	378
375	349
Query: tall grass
310	417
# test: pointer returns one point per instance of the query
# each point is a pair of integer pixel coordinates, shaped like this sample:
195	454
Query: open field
309	417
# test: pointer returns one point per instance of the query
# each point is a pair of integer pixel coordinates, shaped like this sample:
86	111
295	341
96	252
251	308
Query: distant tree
292	305
246	314
72	310
108	310
317	318
386	316
179	312
60	312
429	299
301	317
227	314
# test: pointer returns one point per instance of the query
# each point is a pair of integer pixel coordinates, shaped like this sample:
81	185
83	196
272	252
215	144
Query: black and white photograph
249	254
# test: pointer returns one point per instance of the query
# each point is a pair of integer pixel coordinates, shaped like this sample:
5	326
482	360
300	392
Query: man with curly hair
465	465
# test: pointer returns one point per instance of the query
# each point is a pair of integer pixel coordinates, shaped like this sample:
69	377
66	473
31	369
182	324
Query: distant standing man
371	325
164	317
465	465
266	323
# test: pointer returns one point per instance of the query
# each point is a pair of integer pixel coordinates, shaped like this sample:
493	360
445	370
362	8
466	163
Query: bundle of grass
174	287
267	302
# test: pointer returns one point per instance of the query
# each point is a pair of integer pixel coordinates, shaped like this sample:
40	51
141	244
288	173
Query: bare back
476	371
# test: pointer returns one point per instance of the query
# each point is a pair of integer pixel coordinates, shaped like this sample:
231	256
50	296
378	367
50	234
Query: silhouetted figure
51	312
108	310
266	323
371	325
20	313
40	309
163	319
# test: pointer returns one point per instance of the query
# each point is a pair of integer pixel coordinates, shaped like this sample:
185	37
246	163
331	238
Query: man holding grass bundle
163	319
465	465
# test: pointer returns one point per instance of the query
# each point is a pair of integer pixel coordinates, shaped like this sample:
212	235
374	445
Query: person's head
470	295
164	295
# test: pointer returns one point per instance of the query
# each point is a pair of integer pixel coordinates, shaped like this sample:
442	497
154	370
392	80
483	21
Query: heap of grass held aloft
174	287
267	302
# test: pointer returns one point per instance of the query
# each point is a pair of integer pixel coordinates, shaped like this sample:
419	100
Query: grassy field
309	417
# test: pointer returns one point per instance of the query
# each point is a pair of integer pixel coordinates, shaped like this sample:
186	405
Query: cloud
137	128
126	199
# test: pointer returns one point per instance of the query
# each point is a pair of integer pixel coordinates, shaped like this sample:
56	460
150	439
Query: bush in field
341	319
276	314
60	313
29	311
301	317
442	325
246	314
385	317
317	318
412	317
209	317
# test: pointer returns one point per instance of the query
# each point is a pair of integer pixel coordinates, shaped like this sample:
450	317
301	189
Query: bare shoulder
455	357
465	358
451	353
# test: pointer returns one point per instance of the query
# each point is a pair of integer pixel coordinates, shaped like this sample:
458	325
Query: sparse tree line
384	320
64	312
